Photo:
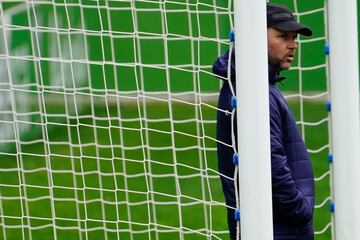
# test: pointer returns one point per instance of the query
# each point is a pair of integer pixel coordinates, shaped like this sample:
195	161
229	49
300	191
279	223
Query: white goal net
108	117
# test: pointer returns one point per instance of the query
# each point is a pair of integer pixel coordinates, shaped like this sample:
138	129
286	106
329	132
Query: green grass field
79	160
79	181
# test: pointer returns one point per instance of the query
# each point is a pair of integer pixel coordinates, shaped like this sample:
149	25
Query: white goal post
345	116
108	117
253	129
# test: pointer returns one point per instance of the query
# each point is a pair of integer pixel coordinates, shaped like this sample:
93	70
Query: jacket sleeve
288	202
220	67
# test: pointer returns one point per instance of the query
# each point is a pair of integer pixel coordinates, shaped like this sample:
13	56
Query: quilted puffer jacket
292	174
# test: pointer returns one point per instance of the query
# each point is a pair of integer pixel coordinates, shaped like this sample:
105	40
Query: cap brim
292	26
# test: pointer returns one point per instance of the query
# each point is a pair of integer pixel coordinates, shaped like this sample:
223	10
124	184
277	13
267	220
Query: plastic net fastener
236	159
233	102
237	214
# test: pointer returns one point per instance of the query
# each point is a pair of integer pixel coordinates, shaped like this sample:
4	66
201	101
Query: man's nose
292	44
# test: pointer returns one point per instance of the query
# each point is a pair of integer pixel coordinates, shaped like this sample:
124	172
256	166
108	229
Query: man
292	174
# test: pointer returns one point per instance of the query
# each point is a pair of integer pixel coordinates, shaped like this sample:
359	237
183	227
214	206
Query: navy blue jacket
292	174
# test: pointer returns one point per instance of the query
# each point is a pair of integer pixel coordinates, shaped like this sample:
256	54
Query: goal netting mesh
108	117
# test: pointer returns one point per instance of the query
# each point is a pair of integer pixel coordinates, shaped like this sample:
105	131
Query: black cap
281	18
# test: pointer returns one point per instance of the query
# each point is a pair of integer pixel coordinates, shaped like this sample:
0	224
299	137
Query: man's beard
276	64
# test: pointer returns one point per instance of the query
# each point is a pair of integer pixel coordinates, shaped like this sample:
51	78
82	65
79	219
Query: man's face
281	48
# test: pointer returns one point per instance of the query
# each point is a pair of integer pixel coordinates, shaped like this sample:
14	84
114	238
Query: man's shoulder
276	99
274	93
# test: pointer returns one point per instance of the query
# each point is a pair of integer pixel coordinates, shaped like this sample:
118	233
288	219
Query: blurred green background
92	148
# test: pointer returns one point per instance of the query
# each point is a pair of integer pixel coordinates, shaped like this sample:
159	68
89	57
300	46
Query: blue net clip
232	36
331	207
236	159
326	49
330	158
233	102
328	106
237	215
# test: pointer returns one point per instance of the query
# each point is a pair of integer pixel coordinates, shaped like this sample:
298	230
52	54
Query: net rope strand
73	133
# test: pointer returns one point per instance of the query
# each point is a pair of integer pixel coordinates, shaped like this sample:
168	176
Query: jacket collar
274	76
